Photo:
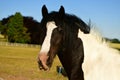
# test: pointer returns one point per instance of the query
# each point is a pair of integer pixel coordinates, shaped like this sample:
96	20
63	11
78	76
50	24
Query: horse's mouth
42	60
42	66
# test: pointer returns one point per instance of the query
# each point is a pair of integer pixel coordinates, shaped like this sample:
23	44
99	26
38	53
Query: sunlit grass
2	38
115	45
19	63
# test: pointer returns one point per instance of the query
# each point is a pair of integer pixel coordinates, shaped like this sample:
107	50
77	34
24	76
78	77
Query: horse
59	36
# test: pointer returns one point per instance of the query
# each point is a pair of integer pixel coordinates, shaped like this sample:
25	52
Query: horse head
51	42
58	27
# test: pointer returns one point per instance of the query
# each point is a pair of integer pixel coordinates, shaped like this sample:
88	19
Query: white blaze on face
46	44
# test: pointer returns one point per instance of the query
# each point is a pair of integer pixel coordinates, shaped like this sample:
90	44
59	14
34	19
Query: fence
19	45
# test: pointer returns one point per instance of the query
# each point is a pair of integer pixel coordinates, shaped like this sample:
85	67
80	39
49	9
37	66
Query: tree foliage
3	29
32	26
112	40
16	32
115	40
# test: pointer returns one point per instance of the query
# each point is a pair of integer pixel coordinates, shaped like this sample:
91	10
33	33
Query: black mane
70	24
69	19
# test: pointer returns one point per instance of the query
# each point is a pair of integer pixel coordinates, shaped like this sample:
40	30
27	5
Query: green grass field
19	63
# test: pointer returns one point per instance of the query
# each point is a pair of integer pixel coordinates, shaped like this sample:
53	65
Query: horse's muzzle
42	58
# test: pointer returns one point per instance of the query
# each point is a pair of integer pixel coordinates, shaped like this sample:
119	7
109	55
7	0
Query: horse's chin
43	66
42	60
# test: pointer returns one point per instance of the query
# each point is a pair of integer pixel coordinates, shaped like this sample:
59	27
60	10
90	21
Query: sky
104	14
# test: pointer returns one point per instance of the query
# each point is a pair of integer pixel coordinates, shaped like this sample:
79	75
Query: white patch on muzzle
46	44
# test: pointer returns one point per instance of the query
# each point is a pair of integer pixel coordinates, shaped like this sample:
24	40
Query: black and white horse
60	37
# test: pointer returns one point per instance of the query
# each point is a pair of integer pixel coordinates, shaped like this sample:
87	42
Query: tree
1	27
33	28
16	32
115	41
4	26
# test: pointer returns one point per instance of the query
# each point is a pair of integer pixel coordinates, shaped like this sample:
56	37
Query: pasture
20	63
115	45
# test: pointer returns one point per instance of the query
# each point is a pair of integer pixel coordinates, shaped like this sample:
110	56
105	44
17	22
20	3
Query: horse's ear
62	11
44	11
